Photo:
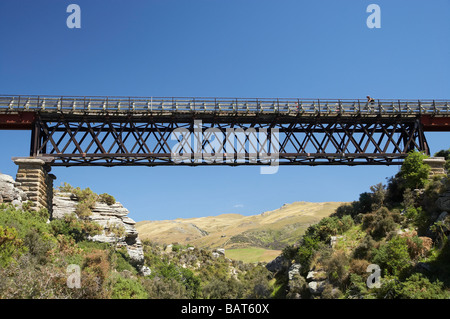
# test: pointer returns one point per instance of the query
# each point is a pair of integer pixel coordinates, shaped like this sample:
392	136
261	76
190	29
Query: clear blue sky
246	48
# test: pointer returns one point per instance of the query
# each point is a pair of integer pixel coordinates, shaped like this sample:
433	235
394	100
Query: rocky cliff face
10	192
110	217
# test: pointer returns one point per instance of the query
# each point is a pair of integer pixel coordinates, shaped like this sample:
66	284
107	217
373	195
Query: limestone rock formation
317	280
317	287
10	191
118	228
316	275
294	269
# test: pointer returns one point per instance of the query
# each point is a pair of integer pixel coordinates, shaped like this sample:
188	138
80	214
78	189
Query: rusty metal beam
17	120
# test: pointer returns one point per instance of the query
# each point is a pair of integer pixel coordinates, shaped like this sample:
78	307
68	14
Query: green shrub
128	288
337	268
30	228
66	188
10	245
23	221
346	222
191	282
86	199
380	223
122	261
38	245
223	289
331	292
116	229
440	229
74	227
107	199
330	226
412	213
162	288
357	287
176	247
83	209
182	275
289	252
365	248
415	247
308	246
393	257
417	286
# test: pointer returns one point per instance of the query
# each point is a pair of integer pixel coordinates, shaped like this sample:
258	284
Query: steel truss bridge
150	131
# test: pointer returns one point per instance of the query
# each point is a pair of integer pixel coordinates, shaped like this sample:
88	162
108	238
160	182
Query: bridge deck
222	105
16	111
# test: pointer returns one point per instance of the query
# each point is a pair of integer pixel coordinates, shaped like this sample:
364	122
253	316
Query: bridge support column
437	165
34	178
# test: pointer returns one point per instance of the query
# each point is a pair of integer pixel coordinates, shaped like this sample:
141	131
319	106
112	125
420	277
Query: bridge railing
221	105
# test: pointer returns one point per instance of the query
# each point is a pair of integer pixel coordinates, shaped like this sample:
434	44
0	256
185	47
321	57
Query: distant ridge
271	230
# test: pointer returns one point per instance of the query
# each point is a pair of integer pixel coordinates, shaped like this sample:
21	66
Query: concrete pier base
437	165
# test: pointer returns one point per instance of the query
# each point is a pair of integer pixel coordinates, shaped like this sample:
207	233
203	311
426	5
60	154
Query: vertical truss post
35	139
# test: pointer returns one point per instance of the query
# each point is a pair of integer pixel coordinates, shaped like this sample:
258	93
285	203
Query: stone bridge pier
437	165
34	178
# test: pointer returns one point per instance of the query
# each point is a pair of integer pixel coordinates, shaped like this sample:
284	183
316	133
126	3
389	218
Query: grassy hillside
272	230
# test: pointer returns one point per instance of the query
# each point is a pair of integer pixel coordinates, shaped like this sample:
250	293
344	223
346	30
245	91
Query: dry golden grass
216	231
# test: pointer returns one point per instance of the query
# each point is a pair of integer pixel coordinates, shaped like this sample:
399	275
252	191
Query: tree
378	195
414	171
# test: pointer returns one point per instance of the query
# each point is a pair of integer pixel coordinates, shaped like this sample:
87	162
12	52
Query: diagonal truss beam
73	141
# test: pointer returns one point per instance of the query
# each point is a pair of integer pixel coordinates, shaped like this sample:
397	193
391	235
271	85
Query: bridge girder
82	140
